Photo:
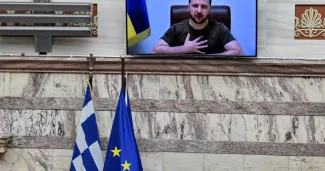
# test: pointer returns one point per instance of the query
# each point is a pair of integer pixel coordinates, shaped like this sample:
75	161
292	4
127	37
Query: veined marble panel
266	163
15	84
46	123
301	163
143	86
223	162
183	161
279	89
4	88
10	120
37	122
220	127
27	160
233	88
173	126
184	126
42	85
62	159
107	86
238	88
276	128
152	161
55	85
176	87
34	85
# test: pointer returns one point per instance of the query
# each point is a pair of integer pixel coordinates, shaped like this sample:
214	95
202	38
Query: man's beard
202	21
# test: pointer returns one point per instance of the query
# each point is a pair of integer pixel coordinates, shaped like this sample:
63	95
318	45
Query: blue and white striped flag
87	154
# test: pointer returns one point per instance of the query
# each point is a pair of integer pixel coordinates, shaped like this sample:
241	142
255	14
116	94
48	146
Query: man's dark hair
189	1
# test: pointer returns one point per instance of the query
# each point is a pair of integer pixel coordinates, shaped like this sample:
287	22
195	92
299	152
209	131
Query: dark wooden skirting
248	67
177	106
184	146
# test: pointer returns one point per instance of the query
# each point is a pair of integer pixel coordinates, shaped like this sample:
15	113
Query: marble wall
182	122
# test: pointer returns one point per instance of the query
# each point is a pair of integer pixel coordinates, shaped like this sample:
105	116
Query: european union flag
138	25
122	151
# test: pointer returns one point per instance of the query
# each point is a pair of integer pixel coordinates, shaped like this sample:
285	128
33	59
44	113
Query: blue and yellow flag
138	25
122	151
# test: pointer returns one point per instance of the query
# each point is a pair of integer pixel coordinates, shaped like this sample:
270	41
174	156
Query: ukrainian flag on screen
137	21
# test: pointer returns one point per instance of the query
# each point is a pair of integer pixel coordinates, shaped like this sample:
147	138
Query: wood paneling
248	67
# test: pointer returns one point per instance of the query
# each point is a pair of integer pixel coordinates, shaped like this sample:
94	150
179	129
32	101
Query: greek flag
87	154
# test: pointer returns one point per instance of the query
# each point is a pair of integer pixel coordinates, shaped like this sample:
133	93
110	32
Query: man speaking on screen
198	35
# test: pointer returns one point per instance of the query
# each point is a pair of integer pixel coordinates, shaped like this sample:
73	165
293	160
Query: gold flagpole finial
91	60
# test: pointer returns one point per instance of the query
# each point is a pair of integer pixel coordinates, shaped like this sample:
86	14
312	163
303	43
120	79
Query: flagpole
123	72
91	60
87	133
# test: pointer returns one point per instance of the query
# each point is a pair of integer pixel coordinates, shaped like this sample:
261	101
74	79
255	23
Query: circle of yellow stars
116	152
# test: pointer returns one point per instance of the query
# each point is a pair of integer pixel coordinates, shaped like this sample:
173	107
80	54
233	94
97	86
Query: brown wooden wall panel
247	67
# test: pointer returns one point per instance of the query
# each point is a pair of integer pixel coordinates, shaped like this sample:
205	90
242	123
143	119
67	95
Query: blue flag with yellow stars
122	151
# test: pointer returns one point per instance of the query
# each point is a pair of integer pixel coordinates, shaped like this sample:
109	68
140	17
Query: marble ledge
184	146
4	140
165	105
